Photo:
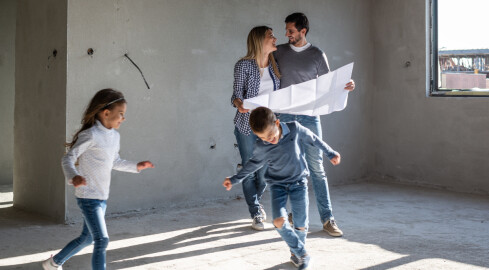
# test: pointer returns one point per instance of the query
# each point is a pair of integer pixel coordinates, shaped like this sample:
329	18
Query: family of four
288	150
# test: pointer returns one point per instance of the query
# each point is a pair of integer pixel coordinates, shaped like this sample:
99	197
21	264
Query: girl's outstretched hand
144	165
79	181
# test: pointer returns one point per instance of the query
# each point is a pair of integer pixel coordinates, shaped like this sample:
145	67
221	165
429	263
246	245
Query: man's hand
144	165
227	183
336	160
79	181
350	86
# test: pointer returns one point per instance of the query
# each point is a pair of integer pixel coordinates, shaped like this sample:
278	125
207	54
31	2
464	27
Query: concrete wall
40	99
429	141
187	51
7	90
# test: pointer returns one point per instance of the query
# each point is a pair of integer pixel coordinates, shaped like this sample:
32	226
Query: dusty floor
386	227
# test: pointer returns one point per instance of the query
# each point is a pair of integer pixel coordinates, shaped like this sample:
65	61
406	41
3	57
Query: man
300	61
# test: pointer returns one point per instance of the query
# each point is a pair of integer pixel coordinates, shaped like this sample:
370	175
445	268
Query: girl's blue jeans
94	231
254	185
314	159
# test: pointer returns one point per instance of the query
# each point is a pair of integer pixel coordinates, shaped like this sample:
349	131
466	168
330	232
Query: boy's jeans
94	230
254	185
314	159
299	201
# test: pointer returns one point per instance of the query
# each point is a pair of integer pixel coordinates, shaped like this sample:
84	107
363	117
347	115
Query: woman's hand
239	104
144	165
79	181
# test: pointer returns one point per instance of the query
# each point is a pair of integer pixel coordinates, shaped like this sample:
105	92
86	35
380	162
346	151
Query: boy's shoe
305	262
262	212
258	224
294	260
49	264
332	229
291	220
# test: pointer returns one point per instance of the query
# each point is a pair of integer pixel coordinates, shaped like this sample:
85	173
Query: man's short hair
300	20
261	118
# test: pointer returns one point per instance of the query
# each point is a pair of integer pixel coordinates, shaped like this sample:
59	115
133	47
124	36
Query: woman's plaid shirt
246	85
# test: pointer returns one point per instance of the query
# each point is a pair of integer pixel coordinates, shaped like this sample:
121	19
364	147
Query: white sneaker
258	224
49	264
263	213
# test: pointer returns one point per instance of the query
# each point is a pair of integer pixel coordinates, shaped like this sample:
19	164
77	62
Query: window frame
432	59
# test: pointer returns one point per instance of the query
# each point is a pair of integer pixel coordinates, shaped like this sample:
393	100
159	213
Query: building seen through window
460	46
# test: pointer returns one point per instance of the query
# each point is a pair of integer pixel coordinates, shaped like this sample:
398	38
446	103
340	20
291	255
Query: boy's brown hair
261	118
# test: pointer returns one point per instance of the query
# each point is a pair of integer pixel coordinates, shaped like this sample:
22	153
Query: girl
254	74
96	148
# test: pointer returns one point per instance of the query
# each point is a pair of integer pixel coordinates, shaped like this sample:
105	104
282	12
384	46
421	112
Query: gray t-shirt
296	67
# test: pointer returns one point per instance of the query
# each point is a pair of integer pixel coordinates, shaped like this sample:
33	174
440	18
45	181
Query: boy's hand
144	165
227	183
79	181
336	160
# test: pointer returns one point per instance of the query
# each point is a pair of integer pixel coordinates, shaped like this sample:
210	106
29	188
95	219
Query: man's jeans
94	230
299	201
254	185
314	159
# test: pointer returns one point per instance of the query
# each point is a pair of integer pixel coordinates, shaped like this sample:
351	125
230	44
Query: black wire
147	85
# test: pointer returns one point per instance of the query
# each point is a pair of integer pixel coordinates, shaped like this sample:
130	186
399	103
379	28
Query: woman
254	74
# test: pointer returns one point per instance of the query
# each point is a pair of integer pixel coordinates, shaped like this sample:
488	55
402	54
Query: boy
282	148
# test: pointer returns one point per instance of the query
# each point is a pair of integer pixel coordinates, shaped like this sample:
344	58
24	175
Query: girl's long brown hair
103	99
255	47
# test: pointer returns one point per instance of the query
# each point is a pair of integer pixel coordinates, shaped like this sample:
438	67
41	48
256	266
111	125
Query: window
458	48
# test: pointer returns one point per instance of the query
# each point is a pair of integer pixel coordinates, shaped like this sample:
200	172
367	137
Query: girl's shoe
49	264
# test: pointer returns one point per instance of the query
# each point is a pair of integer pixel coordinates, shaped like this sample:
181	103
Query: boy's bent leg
279	195
299	201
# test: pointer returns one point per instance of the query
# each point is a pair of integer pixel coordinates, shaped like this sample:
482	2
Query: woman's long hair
255	47
103	99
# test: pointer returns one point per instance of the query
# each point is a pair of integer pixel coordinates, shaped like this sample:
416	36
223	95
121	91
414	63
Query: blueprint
323	95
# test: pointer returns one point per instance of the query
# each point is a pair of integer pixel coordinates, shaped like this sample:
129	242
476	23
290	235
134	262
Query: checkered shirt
247	85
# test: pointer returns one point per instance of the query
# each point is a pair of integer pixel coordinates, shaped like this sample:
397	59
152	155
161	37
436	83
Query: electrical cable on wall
147	85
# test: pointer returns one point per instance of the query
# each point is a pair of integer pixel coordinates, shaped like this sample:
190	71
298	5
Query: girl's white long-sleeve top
97	152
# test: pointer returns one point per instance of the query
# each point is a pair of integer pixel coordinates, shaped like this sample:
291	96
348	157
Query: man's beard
295	41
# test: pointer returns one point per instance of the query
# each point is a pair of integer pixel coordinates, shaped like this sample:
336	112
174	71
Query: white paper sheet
320	96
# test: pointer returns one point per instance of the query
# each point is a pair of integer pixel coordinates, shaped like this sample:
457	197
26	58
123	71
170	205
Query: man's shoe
258	224
291	220
332	229
294	260
49	264
305	262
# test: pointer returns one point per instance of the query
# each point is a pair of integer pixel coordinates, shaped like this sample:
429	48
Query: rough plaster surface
7	90
385	226
40	98
437	142
187	51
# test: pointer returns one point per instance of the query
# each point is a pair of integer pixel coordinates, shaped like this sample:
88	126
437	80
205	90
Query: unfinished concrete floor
386	227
